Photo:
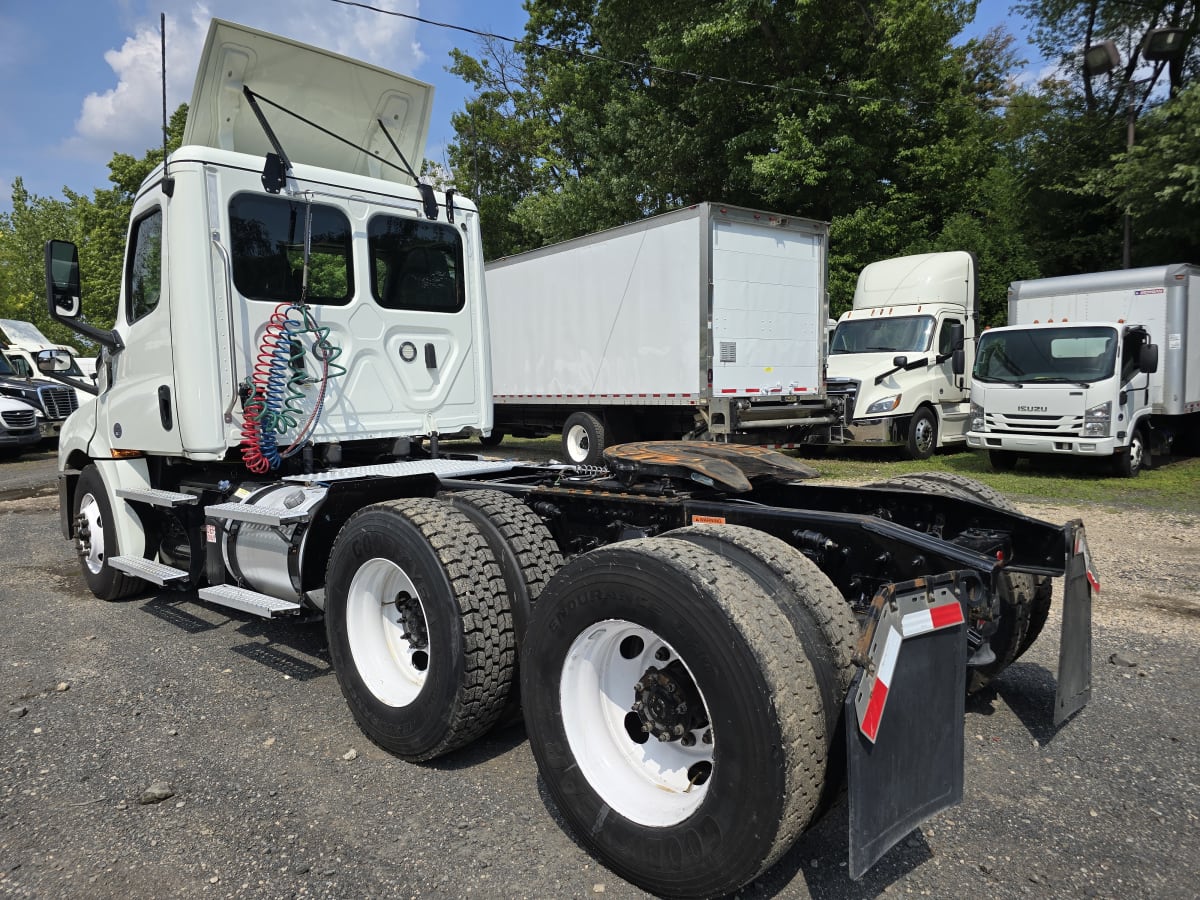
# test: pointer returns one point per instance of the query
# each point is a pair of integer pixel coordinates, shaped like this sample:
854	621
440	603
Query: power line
641	67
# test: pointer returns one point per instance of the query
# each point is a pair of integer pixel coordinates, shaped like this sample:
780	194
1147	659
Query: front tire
1130	461
583	439
96	539
419	625
922	434
666	707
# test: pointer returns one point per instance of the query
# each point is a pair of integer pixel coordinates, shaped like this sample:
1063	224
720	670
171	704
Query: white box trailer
704	321
1092	365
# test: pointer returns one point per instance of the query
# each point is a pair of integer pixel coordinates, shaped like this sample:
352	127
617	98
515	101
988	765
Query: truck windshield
1068	355
891	334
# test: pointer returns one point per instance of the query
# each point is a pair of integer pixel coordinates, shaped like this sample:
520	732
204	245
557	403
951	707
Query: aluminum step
248	601
258	515
155	497
147	569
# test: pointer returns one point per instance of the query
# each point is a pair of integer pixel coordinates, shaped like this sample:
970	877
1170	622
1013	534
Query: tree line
868	115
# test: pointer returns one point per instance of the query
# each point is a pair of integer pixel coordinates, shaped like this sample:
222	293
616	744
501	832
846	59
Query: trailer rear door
768	305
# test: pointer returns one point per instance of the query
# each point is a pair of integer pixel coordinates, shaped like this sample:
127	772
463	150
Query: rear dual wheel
1024	599
420	627
668	707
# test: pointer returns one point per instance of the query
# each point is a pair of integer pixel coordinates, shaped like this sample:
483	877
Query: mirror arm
73	382
108	337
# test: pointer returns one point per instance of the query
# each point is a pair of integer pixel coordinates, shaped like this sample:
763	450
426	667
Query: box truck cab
1090	365
892	368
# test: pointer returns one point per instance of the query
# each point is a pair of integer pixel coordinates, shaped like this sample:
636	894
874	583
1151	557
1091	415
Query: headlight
1097	421
976	420
886	405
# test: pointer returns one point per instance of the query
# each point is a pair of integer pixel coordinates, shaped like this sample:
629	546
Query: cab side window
143	272
945	342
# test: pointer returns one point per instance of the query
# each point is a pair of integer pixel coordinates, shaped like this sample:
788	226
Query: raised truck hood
342	95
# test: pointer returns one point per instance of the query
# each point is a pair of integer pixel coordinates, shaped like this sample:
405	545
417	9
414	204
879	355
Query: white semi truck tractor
892	375
708	648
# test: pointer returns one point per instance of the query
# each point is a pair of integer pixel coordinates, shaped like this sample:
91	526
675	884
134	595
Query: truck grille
843	392
1022	423
18	420
59	402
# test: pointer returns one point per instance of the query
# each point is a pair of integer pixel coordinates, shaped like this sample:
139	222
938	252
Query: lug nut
637	705
681	709
638	688
663	736
677	730
645	728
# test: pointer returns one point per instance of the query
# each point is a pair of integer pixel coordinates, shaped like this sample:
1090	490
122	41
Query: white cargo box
1165	299
652	312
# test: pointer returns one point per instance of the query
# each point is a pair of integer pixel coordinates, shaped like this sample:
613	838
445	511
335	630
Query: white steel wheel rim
1135	452
578	443
648	783
390	665
93	556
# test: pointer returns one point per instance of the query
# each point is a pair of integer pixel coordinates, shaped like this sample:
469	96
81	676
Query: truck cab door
1134	396
138	409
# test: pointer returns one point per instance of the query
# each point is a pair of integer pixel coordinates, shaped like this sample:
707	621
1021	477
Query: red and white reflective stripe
879	691
1081	547
932	619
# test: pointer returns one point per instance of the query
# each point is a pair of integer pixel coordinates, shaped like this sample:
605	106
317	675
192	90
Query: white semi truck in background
709	649
1096	365
705	322
892	375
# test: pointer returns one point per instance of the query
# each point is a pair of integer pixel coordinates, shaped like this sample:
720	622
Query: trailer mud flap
904	713
1075	643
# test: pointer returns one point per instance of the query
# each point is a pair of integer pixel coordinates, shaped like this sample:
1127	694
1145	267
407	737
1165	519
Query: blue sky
82	76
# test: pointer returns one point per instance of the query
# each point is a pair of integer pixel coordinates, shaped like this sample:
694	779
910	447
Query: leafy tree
97	224
1158	181
864	114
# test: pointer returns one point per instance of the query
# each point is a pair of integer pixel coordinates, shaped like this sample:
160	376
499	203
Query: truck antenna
168	183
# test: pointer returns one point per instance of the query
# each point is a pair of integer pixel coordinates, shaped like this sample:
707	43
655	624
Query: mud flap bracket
907	765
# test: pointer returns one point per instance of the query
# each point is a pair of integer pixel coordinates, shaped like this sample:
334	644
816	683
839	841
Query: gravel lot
275	793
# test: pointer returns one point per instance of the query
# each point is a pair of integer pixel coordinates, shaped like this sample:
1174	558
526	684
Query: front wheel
1129	462
922	434
96	539
419	625
667	707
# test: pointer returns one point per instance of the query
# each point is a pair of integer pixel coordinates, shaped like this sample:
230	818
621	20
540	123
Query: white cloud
127	117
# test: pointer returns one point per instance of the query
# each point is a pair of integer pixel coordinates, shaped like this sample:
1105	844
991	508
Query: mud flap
906	765
1075	643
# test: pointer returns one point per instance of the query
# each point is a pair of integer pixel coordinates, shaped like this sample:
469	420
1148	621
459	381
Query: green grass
1173	484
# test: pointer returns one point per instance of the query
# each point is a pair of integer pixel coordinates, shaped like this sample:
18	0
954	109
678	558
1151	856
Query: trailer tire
922	434
583	439
671	815
493	439
95	541
1002	460
419	626
1019	592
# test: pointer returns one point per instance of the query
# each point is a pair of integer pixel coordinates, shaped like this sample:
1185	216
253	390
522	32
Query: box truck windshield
1047	355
